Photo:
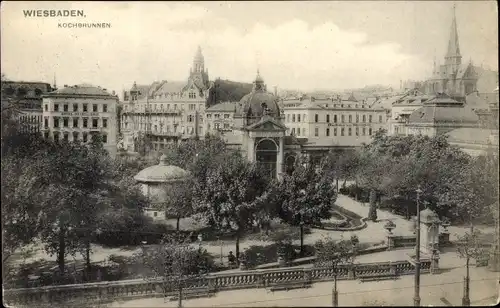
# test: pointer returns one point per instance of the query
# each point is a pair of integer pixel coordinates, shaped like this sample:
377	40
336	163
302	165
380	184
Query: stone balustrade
133	289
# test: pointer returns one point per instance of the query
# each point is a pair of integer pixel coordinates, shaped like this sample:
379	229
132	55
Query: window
104	138
293	118
46	107
226	125
364	118
357	131
303	132
155	214
104	123
293	131
226	116
370	118
327	118
380	118
357	118
335	131
85	107
94	123
192	106
216	125
65	108
75	107
209	116
298	118
85	123
56	136
217	116
334	118
94	107
342	131
75	122
288	118
304	118
190	118
46	123
328	132
56	122
192	95
75	136
364	131
342	118
316	132
46	135
350	118
370	131
66	136
85	137
56	107
350	131
105	108
316	118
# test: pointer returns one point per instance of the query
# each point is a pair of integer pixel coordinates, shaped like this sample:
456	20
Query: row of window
75	107
218	126
162	107
217	116
76	121
75	136
342	131
297	118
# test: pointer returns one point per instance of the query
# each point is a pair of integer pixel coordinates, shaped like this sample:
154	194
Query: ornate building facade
166	111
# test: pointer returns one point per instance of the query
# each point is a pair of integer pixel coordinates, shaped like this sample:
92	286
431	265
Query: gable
267	125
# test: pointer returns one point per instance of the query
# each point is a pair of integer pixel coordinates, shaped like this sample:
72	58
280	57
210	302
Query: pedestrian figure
231	259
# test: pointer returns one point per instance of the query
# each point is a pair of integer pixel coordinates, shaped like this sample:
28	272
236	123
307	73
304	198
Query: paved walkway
373	233
447	285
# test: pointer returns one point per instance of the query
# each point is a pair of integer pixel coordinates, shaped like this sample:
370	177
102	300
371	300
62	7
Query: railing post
390	242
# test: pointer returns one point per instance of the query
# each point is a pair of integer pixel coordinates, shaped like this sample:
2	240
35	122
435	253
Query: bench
194	293
291	285
378	277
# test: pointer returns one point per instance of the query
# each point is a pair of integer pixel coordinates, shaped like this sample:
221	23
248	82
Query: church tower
453	59
198	72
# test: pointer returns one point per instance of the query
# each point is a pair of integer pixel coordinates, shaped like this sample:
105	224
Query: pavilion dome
259	102
162	173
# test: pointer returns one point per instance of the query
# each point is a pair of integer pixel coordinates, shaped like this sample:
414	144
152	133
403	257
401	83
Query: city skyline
239	39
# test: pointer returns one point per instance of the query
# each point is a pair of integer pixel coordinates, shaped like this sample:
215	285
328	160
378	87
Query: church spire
199	61
453	45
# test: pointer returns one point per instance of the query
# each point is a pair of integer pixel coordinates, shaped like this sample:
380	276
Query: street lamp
416	298
301	224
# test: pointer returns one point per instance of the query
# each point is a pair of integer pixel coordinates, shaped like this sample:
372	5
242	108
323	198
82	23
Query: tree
178	201
331	253
341	165
232	197
176	262
469	246
303	198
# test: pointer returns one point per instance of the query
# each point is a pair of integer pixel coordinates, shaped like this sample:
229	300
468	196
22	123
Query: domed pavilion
258	123
155	181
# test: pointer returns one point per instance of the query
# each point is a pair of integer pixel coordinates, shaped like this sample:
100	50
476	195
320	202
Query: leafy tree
175	262
303	198
178	201
233	196
341	165
331	253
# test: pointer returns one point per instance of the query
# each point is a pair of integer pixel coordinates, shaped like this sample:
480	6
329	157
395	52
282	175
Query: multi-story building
76	112
220	118
336	122
26	99
402	108
166	111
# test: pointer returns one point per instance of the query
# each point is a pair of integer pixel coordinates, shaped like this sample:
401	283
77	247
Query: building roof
444	114
222	107
161	173
170	87
479	101
82	89
469	135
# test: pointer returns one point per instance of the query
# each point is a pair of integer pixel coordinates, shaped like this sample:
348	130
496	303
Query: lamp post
416	298
301	224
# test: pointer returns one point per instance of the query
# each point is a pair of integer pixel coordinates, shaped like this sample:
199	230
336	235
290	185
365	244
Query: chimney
113	93
65	85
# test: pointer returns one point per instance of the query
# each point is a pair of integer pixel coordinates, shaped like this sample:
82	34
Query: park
87	229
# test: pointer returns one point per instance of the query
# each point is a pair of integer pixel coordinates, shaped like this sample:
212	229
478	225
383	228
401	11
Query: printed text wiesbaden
54	13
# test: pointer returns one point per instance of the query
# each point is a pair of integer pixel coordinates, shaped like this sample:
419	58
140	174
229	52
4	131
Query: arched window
266	156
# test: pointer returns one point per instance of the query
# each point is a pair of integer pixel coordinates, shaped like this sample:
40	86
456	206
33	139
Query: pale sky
296	45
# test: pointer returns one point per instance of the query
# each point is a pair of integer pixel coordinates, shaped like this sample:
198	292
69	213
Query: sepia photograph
249	153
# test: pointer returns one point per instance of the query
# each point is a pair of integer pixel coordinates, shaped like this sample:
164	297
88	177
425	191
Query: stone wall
133	289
